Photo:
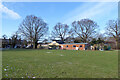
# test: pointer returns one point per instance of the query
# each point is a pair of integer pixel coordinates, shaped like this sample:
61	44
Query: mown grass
59	64
0	65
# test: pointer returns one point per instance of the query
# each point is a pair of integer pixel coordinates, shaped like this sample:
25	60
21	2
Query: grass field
59	64
0	65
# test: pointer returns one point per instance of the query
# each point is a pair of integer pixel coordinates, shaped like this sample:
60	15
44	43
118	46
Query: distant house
75	46
58	41
111	42
8	43
4	43
0	43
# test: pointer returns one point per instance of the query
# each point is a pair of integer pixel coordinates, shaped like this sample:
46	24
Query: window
74	45
67	46
80	45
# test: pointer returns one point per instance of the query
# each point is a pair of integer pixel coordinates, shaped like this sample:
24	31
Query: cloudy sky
53	12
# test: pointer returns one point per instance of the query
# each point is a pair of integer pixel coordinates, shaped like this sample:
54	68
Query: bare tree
45	41
70	37
4	36
4	41
33	28
60	31
99	35
113	30
14	39
85	29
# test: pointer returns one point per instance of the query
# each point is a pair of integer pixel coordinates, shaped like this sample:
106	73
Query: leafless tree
60	31
14	39
100	35
33	28
113	30
4	36
85	29
4	41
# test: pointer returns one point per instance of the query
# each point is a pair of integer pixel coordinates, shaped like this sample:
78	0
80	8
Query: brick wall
73	46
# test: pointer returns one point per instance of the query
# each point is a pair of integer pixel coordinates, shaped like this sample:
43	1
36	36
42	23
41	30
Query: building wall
70	46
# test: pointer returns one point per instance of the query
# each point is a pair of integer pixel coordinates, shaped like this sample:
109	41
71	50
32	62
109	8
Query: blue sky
53	12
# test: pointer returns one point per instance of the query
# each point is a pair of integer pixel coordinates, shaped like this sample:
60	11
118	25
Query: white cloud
89	10
9	13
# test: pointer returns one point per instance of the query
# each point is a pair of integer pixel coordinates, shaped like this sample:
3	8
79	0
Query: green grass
59	64
0	65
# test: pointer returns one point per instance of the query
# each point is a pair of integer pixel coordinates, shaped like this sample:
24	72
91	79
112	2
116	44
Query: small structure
111	42
54	45
97	46
42	46
75	46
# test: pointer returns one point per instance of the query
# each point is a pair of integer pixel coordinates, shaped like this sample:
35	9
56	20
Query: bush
105	48
98	48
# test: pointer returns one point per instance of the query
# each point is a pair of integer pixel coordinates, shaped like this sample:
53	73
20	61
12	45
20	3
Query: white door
77	48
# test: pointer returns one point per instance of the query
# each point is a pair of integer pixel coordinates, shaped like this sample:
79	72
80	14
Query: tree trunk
117	45
35	45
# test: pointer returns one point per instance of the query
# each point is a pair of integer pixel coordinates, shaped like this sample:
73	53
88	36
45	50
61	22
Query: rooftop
75	43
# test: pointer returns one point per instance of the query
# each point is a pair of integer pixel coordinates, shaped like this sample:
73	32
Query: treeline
34	28
13	41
